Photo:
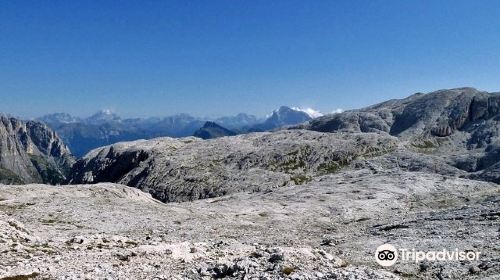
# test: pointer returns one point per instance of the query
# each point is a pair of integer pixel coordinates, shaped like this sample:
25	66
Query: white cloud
310	111
107	111
337	111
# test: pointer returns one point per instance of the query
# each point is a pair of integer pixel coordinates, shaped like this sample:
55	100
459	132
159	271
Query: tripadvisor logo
387	255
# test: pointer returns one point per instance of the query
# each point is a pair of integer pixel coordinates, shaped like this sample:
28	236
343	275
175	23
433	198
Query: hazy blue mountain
212	130
105	127
59	118
239	121
180	125
83	137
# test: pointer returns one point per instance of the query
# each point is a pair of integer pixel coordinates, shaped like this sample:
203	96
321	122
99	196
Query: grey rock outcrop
460	126
190	168
439	113
31	152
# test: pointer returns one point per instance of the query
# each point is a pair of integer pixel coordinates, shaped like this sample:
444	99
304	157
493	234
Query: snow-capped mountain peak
102	116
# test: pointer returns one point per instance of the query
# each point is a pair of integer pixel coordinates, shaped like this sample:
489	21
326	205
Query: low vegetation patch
9	177
300	179
329	167
427	144
293	164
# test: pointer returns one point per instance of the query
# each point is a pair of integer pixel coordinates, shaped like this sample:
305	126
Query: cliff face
30	152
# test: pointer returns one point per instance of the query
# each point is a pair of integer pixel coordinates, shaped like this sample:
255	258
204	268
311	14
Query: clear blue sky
153	58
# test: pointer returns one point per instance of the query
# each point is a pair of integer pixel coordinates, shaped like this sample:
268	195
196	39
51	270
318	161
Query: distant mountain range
105	128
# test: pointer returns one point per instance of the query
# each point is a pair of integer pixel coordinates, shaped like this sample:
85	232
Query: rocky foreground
327	228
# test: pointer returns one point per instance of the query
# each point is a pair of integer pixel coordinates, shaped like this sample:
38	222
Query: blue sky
154	58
